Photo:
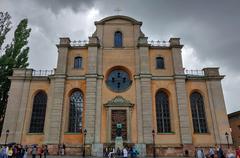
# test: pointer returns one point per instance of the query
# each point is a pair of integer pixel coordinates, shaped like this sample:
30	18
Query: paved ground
50	156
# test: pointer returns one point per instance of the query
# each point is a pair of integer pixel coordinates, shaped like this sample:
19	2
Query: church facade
117	78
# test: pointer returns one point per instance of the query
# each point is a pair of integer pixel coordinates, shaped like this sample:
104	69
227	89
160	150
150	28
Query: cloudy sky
209	30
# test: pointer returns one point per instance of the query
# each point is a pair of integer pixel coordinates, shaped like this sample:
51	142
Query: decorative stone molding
119	101
175	43
64	42
143	42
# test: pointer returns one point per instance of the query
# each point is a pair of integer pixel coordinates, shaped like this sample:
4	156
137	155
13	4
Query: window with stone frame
162	113
76	112
198	113
78	62
160	63
118	39
38	112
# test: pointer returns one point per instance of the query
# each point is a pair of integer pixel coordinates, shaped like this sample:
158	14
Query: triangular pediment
119	101
118	17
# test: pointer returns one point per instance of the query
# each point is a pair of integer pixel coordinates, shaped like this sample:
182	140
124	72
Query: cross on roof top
118	10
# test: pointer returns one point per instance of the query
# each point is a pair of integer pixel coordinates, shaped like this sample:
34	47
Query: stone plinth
118	143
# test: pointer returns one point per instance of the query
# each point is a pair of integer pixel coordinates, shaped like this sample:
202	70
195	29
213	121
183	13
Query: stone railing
159	43
194	72
78	43
42	72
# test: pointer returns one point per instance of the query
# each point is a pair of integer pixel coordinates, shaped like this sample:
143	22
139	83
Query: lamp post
7	133
227	135
153	135
84	137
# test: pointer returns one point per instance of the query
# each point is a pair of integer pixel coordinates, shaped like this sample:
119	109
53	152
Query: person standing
34	151
40	151
125	152
25	151
211	152
45	151
238	152
10	152
200	153
220	152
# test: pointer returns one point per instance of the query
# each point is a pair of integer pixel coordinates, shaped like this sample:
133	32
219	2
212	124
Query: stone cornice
176	46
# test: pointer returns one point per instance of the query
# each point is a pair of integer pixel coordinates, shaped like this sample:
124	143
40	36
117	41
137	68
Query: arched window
162	112
118	39
78	62
38	112
76	110
159	63
198	113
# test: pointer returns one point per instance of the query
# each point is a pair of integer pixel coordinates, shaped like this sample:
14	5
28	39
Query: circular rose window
118	80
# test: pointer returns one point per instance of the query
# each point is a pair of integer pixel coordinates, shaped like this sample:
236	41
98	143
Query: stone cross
118	10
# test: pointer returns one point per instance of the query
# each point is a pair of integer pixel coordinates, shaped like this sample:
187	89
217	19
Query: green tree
15	56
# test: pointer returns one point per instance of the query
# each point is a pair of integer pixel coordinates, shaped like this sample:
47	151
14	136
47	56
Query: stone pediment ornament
119	101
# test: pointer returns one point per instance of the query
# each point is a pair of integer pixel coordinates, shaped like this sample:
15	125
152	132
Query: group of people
19	151
125	152
217	153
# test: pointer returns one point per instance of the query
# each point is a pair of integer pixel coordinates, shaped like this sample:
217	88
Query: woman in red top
238	152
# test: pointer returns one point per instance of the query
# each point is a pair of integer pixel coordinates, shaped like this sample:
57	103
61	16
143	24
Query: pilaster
145	95
56	110
217	105
63	47
182	101
176	56
58	88
185	126
93	98
16	107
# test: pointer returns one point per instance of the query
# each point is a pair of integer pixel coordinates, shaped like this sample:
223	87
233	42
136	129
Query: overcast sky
209	30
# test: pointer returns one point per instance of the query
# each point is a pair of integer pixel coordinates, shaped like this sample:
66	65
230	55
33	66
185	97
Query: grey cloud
57	5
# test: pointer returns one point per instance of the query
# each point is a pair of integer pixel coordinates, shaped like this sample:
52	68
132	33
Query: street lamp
84	137
153	135
227	135
7	133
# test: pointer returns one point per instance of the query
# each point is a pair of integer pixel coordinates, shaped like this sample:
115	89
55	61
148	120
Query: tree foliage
15	56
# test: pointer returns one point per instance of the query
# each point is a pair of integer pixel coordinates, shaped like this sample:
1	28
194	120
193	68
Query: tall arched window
118	39
159	63
198	113
162	112
38	112
78	62
76	110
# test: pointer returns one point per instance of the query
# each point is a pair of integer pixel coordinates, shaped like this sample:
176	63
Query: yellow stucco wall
124	59
166	54
72	53
169	87
200	86
70	87
31	138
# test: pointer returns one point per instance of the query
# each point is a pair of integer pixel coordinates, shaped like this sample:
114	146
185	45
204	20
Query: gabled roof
127	18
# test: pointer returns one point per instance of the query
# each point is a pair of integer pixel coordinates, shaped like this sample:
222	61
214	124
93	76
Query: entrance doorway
119	117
